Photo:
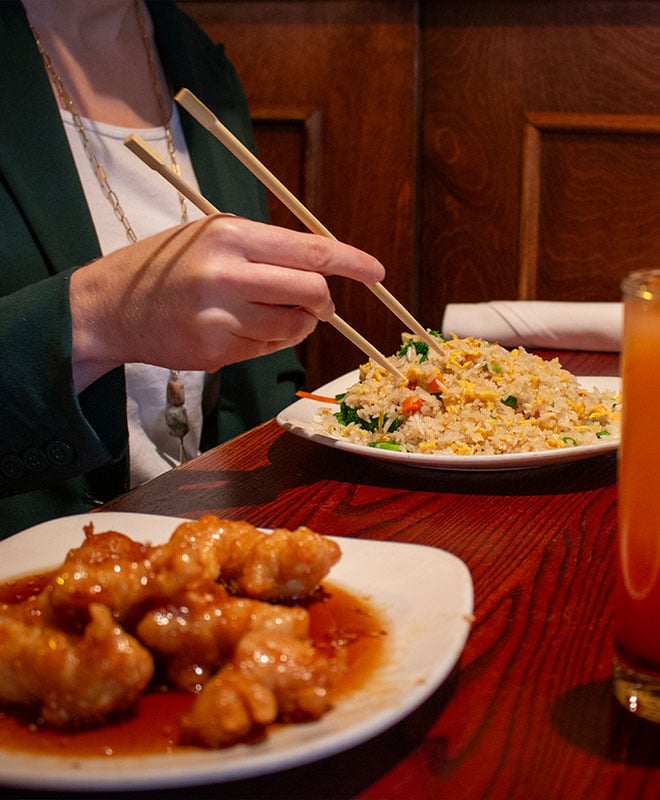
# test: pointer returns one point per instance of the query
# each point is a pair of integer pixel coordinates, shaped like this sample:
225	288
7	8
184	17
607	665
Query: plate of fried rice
474	405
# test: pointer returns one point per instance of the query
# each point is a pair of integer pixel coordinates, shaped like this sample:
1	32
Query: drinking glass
637	599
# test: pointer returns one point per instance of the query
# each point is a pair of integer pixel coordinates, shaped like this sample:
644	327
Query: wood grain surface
488	68
528	712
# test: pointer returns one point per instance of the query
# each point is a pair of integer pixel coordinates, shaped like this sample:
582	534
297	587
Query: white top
150	205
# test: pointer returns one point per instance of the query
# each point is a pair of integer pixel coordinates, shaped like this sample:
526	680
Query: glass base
637	692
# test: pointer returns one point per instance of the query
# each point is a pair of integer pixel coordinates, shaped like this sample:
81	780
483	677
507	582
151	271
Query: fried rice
475	398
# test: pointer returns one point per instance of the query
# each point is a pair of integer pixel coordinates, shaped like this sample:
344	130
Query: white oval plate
424	596
298	418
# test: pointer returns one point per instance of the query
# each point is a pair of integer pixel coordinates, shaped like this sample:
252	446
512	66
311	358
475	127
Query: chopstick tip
194	106
138	146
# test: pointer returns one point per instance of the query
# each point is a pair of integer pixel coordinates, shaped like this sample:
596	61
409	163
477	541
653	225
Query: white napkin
534	323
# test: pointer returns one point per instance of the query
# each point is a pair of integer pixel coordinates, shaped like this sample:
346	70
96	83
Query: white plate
423	594
298	418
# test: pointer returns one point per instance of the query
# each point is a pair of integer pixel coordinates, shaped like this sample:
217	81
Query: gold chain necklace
99	171
176	414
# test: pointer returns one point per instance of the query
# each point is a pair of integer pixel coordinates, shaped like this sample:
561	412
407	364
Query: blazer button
35	459
12	467
59	453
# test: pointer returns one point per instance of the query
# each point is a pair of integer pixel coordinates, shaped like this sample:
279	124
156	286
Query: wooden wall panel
590	203
471	145
354	65
488	68
291	138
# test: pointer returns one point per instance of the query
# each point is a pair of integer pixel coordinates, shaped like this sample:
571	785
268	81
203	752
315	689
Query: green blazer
62	453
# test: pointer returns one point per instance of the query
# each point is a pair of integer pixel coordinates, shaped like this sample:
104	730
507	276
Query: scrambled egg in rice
475	398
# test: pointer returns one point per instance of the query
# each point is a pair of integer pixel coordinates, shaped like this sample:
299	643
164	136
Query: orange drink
637	603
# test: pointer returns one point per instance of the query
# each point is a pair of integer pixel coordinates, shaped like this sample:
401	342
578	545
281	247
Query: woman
114	293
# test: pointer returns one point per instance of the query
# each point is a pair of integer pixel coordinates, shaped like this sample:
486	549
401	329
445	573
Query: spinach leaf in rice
348	415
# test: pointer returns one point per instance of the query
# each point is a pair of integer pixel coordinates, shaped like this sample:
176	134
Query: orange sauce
338	619
15	591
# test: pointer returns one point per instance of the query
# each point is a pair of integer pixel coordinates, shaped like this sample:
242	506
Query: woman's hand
199	296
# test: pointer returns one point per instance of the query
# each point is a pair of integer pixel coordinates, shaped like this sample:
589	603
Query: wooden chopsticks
152	159
208	120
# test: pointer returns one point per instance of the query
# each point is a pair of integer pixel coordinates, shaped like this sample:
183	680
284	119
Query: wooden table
528	712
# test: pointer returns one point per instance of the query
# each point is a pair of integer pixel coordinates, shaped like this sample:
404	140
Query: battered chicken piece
229	709
108	568
202	547
128	576
196	634
77	652
297	673
294	680
71	679
282	565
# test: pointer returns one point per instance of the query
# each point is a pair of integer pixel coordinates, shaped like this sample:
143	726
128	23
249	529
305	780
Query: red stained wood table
528	711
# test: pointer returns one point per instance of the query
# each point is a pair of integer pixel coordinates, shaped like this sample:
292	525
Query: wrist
88	303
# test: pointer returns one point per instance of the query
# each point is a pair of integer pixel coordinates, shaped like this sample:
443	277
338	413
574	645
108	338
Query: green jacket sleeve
49	433
61	453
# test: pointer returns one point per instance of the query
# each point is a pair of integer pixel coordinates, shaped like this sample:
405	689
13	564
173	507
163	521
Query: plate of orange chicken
143	651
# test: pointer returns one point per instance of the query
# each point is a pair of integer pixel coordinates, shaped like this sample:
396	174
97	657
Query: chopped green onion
600	434
567	439
421	348
510	401
385	445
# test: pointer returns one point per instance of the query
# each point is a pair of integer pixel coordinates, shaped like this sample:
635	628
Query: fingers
267	285
213	292
225	337
261	243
